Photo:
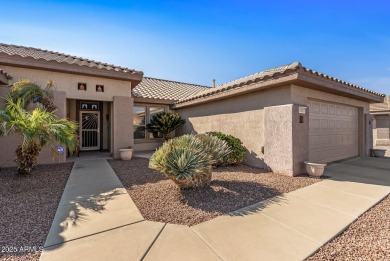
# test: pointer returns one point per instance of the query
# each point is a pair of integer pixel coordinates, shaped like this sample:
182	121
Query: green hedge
235	144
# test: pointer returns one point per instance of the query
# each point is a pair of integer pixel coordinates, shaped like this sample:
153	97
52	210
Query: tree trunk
27	158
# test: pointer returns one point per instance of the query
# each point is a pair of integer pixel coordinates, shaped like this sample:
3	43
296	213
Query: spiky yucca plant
37	128
214	146
187	160
165	123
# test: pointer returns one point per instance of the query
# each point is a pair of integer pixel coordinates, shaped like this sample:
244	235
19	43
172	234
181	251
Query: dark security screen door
89	131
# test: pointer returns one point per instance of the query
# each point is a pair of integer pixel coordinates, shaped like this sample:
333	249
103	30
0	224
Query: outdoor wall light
37	99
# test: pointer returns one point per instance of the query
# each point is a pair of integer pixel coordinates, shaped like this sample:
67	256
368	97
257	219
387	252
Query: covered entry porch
102	125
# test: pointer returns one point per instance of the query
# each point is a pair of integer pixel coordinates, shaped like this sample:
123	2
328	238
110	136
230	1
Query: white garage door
333	132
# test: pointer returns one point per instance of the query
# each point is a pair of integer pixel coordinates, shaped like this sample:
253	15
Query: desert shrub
216	147
188	159
237	149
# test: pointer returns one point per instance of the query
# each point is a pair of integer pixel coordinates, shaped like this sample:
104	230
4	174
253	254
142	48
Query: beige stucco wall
301	95
286	144
382	130
9	144
122	124
147	146
117	102
68	83
240	116
263	125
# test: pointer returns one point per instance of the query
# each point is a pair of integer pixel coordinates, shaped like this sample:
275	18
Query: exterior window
139	122
152	112
141	117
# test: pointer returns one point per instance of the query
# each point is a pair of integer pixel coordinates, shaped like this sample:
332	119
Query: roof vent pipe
213	83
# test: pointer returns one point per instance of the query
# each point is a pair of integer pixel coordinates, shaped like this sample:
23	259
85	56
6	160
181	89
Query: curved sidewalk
97	220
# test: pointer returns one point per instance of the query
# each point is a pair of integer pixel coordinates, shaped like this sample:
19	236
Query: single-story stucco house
284	115
381	124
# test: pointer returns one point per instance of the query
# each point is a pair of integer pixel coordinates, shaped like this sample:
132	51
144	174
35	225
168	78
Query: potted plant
315	169
378	153
126	153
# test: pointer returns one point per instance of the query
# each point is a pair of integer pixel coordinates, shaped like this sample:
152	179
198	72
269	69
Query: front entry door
90	130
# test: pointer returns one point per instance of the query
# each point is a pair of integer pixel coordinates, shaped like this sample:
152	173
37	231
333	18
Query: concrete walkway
97	220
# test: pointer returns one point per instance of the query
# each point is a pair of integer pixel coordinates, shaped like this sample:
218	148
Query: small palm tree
37	128
29	92
165	123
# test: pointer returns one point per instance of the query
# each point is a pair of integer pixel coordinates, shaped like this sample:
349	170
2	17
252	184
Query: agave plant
214	146
37	128
165	123
29	92
188	159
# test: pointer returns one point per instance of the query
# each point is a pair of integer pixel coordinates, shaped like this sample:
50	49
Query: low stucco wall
147	146
382	130
240	116
286	139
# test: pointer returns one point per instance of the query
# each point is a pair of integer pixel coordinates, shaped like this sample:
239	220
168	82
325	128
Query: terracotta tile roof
377	107
267	74
167	90
39	54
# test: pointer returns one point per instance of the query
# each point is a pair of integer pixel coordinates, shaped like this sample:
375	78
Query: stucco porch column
369	122
122	124
286	138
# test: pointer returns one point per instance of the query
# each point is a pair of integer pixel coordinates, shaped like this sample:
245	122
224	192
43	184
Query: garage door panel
333	132
322	141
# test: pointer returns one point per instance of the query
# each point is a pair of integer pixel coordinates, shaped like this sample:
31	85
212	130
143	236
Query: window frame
147	120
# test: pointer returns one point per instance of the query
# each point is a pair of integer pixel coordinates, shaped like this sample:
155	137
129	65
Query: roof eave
300	78
384	112
253	87
28	62
312	81
154	100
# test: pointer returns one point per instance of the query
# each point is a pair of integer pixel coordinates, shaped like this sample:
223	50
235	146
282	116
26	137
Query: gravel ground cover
368	238
232	188
27	206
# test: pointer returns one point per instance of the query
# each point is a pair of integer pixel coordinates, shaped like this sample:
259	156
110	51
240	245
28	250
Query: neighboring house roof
4	77
381	107
295	70
166	90
43	59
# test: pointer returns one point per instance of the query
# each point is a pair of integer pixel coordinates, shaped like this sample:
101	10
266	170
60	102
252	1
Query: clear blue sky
196	41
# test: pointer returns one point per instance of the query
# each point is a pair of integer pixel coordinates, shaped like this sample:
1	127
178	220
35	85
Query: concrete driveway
288	227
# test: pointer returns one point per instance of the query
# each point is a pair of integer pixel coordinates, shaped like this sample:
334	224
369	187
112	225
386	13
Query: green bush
237	149
188	159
